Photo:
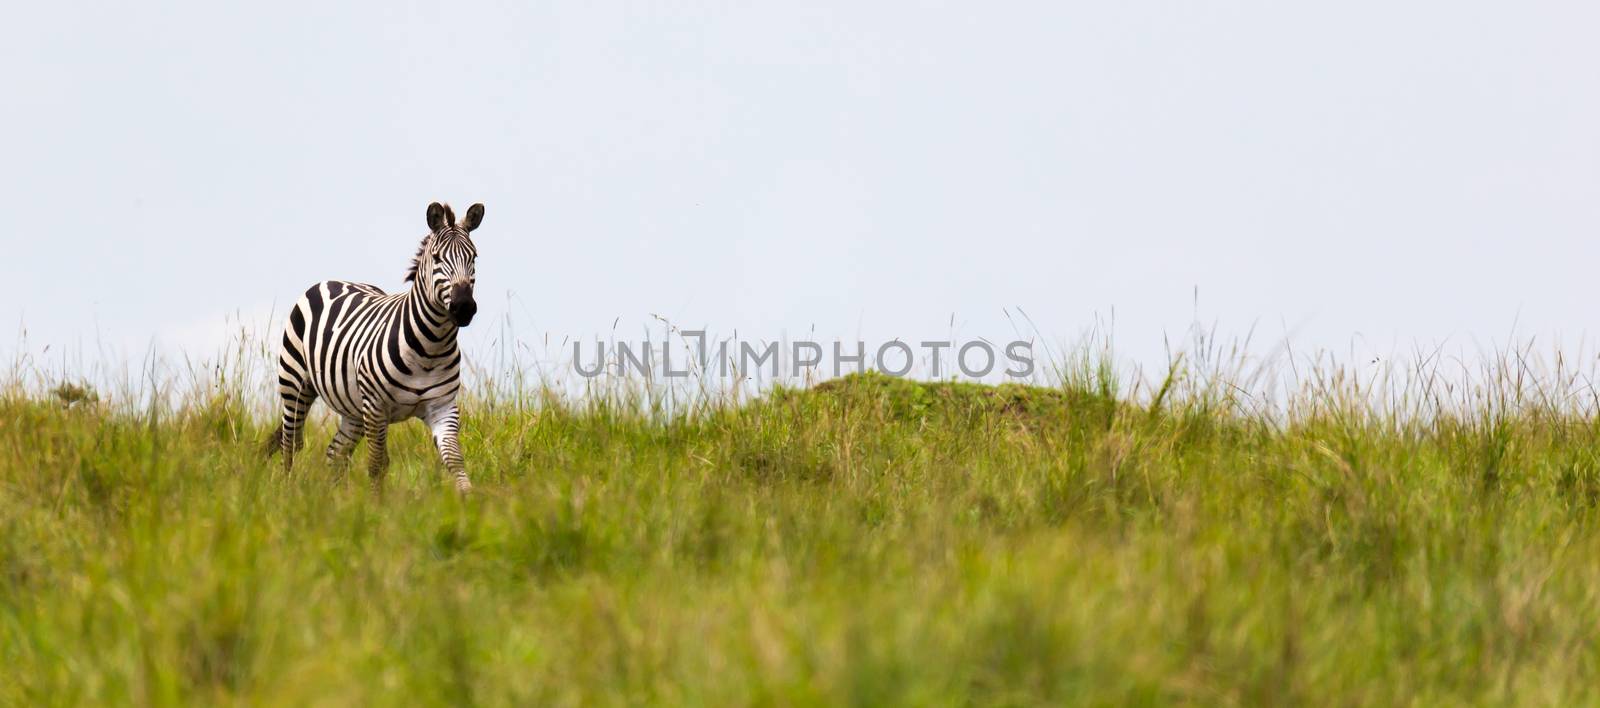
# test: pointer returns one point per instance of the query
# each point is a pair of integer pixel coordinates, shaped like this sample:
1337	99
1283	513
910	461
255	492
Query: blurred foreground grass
869	541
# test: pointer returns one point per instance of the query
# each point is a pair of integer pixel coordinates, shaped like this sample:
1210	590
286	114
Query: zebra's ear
474	217
436	216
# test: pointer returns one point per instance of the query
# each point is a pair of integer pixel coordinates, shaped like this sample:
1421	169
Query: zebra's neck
429	329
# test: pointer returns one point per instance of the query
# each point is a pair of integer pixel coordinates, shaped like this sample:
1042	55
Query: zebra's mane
411	270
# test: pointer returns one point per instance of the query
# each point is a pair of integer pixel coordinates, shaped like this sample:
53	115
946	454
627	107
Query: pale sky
1373	172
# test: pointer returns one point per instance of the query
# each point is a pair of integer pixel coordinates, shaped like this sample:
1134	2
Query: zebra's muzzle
462	306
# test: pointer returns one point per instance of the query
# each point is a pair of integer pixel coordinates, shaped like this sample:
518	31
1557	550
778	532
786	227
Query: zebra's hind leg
296	404
344	441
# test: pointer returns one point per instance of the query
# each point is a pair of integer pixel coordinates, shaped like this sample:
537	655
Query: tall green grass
1216	534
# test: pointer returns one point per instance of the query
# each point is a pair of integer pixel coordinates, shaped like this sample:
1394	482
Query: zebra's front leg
377	429
446	424
344	442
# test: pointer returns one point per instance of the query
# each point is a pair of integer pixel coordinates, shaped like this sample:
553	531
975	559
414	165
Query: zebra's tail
273	443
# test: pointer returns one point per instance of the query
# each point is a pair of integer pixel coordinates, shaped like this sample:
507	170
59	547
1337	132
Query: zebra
379	358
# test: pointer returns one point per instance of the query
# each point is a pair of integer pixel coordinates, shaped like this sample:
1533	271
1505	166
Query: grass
868	541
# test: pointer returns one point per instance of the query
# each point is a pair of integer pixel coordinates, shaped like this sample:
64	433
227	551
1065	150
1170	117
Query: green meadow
868	541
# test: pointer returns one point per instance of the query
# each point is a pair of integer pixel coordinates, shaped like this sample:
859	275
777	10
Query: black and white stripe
377	358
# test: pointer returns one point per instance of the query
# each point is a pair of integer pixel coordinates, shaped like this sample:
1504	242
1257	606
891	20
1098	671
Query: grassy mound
942	402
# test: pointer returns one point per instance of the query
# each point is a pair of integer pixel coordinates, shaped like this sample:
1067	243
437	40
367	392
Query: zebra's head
443	267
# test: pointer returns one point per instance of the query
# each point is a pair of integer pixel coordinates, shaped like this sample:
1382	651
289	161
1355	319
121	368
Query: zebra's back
330	327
